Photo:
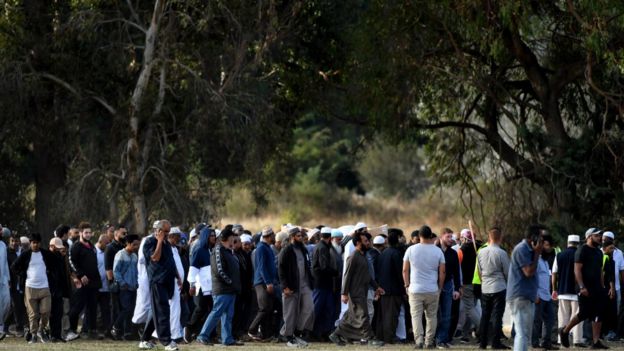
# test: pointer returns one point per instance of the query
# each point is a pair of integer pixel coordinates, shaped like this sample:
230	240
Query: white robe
5	297
143	307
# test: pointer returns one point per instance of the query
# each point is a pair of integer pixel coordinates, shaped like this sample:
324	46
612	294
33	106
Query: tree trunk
50	176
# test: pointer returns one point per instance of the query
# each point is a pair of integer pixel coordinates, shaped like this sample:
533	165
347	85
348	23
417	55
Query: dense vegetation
131	110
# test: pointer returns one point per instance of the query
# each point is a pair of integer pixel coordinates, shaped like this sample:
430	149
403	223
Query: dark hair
393	237
367	235
84	225
447	231
548	238
61	230
130	238
398	231
425	232
415	233
226	233
356	238
35	237
15	236
534	230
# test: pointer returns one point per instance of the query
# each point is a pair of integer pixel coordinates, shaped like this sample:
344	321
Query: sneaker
443	345
418	346
33	339
146	345
71	336
464	340
42	337
336	339
301	342
172	346
254	337
203	341
187	335
376	343
599	346
565	338
2	335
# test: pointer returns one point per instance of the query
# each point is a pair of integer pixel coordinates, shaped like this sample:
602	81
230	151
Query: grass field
15	344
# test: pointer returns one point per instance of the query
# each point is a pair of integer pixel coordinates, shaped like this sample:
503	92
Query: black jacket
390	277
83	261
225	272
20	266
15	278
246	271
324	266
61	278
288	270
469	262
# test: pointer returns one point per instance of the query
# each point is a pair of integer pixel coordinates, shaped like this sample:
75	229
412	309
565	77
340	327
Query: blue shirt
164	270
543	280
264	263
125	270
519	285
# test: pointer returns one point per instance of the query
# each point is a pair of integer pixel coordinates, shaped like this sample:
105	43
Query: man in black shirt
451	289
390	263
590	281
111	250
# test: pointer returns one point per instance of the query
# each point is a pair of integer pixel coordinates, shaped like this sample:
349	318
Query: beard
337	247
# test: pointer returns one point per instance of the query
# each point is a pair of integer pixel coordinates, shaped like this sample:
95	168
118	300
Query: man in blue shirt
265	279
522	285
162	274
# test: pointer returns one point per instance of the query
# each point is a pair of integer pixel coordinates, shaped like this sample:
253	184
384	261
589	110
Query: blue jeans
444	313
522	312
223	309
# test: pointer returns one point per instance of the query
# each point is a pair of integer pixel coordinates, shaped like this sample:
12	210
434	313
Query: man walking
451	290
390	264
355	324
423	275
126	276
324	270
296	280
265	281
493	268
162	275
200	280
111	250
564	289
522	286
63	289
467	259
590	281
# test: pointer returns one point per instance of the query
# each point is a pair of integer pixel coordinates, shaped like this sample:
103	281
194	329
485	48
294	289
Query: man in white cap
608	239
564	289
592	296
266	285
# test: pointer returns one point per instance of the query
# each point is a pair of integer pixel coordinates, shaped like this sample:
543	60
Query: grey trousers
298	312
470	309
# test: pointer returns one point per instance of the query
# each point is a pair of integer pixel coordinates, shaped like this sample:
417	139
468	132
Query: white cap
379	240
358	226
591	231
573	239
193	233
609	235
24	240
56	242
245	238
314	231
326	230
175	231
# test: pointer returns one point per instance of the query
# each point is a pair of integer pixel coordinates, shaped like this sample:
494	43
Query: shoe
565	338
203	341
292	342
443	345
71	336
2	335
376	343
236	343
42	337
505	347
187	335
464	340
146	345
418	346
27	336
581	345
430	347
172	346
599	346
254	337
301	342
549	347
33	340
336	339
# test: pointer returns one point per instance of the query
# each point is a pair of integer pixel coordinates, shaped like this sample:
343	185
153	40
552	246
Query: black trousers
84	298
454	317
203	306
264	317
388	317
242	309
104	305
493	308
116	306
19	310
160	314
56	317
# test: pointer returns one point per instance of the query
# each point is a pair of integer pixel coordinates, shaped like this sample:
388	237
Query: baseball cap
591	231
57	242
609	235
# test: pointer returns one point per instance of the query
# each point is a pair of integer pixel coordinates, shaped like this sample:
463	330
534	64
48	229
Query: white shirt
36	276
425	260
618	262
201	278
100	260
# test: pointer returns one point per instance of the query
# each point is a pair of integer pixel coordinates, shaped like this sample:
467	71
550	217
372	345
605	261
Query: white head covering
379	240
245	238
573	238
359	225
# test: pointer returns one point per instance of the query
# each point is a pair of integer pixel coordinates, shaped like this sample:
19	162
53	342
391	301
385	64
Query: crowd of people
352	284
